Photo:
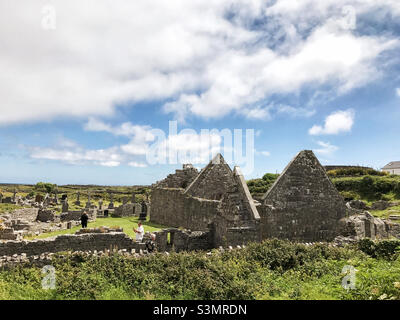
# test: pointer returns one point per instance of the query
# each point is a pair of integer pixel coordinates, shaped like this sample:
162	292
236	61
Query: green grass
270	270
8	207
96	192
384	214
127	224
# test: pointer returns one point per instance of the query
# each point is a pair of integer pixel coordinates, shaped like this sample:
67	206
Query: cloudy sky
86	85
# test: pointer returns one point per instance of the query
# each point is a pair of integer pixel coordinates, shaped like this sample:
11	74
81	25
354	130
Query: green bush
388	249
45	187
355	171
260	186
273	269
349	195
369	187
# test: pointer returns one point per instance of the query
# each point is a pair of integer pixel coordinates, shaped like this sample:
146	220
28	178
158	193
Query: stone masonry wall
170	207
213	181
183	240
167	207
180	179
70	242
126	210
303	204
199	213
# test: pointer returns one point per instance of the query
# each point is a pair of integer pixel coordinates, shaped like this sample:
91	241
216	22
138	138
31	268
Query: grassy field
127	224
384	214
273	270
8	207
96	193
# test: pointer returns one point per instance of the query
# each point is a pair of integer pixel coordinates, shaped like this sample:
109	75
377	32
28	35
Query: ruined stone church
302	205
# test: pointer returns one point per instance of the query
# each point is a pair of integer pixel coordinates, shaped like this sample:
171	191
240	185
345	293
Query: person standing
139	232
84	219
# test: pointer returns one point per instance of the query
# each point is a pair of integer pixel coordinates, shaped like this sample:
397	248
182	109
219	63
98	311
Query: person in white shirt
139	232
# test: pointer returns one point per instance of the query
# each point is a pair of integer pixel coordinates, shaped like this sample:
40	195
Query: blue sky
84	85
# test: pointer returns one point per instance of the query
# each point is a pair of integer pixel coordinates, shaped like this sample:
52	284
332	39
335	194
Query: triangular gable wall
214	180
305	177
302	204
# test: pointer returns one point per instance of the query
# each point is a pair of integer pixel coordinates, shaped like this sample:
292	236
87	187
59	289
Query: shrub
369	187
349	195
45	187
388	249
355	171
259	186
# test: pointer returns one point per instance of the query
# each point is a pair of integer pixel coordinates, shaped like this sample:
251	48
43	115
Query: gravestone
14	198
65	205
46	200
100	204
1	197
111	205
78	201
7	200
133	200
55	196
124	200
143	213
88	202
39	198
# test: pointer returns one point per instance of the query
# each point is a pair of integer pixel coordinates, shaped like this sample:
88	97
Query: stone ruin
216	200
128	209
214	208
302	205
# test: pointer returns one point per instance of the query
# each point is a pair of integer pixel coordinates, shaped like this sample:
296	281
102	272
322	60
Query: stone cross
111	205
78	202
100	204
1	197
134	197
124	200
15	195
143	214
55	196
88	202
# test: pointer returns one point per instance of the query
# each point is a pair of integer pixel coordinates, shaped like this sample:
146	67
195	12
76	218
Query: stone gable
215	180
302	204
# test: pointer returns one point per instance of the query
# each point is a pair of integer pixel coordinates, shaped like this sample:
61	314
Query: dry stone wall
70	242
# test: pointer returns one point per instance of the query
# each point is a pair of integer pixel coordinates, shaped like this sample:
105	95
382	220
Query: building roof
392	165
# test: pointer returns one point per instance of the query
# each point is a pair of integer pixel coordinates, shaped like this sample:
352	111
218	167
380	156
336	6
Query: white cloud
326	149
187	52
140	135
265	153
137	164
335	123
295	112
187	146
77	155
398	91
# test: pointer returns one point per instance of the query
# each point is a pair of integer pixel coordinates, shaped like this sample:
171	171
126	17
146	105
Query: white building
392	167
